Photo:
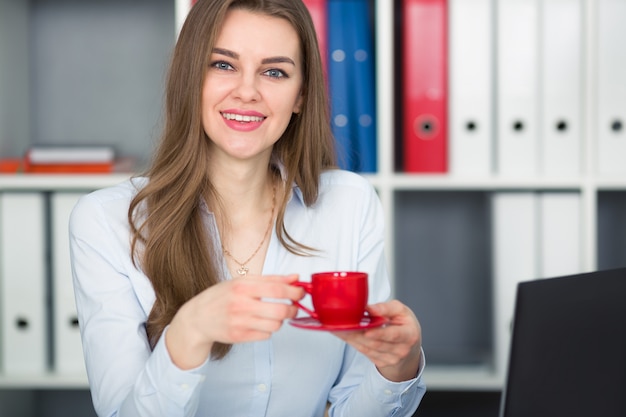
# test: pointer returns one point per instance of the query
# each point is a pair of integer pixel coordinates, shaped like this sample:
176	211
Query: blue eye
275	73
221	65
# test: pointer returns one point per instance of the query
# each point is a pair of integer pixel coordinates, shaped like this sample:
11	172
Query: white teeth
242	118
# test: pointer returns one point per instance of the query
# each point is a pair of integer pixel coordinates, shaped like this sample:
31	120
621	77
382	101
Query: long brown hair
168	238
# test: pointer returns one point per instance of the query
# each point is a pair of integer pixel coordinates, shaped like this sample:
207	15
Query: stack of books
43	159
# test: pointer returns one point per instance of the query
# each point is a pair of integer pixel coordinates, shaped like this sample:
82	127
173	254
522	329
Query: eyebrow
270	60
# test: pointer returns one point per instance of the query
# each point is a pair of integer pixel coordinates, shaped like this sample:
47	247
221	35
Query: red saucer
367	322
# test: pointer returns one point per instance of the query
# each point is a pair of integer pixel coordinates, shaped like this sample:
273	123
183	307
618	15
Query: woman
182	277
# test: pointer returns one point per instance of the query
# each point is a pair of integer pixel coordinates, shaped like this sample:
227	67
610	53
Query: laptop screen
568	347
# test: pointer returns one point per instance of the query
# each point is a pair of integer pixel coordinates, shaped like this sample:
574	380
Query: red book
90	168
319	13
26	166
424	87
11	165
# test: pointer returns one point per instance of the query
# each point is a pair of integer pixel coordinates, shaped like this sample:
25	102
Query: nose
247	88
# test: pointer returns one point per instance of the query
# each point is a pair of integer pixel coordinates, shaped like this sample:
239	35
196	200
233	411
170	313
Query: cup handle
308	287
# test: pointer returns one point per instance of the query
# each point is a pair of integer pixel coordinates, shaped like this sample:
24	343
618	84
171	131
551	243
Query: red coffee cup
338	297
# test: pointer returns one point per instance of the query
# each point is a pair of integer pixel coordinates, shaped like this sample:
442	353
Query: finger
380	353
383	351
276	311
276	287
397	313
252	307
384	339
244	328
294	293
390	333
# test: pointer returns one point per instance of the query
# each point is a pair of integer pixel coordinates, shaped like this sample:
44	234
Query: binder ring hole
518	125
73	322
561	125
21	323
471	126
425	127
617	126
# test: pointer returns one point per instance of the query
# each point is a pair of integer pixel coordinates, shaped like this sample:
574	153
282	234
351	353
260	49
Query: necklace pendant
243	270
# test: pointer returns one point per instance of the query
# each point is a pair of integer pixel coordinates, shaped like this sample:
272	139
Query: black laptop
568	348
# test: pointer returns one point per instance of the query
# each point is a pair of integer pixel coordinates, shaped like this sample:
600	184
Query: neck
242	185
245	199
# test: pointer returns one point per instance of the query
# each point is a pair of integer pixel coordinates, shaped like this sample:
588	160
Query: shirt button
388	392
262	387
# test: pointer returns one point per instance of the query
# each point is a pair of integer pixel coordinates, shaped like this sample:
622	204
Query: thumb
388	309
291	278
377	309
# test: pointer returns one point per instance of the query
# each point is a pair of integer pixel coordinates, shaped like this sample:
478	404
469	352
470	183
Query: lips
243	118
243	121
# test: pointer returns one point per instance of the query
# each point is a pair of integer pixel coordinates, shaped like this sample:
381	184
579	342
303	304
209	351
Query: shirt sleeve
126	377
364	392
361	390
394	398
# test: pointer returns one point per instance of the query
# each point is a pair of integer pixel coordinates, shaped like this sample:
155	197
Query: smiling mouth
242	118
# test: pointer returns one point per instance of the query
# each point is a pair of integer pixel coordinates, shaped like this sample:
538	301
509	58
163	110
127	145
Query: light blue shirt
294	373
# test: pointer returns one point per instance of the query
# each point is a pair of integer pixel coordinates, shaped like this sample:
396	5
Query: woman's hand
233	311
395	348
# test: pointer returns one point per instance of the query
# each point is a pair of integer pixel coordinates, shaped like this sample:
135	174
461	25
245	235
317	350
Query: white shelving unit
40	182
589	185
114	57
598	194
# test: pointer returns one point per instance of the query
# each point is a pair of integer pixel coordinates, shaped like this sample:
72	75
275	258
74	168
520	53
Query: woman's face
252	86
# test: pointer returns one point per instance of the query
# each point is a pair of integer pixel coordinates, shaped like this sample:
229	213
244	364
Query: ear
298	106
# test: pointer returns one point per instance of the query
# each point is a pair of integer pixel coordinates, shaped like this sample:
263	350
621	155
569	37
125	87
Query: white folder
515	237
560	231
471	48
517	87
68	353
23	323
561	87
611	83
181	9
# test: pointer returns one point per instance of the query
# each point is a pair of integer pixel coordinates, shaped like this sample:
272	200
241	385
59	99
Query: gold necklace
243	269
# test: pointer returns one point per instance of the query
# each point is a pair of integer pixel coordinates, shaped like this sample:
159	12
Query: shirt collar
275	162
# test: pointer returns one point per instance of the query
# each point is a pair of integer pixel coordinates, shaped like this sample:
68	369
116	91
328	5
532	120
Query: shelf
46	381
611	184
34	182
403	181
460	378
399	182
